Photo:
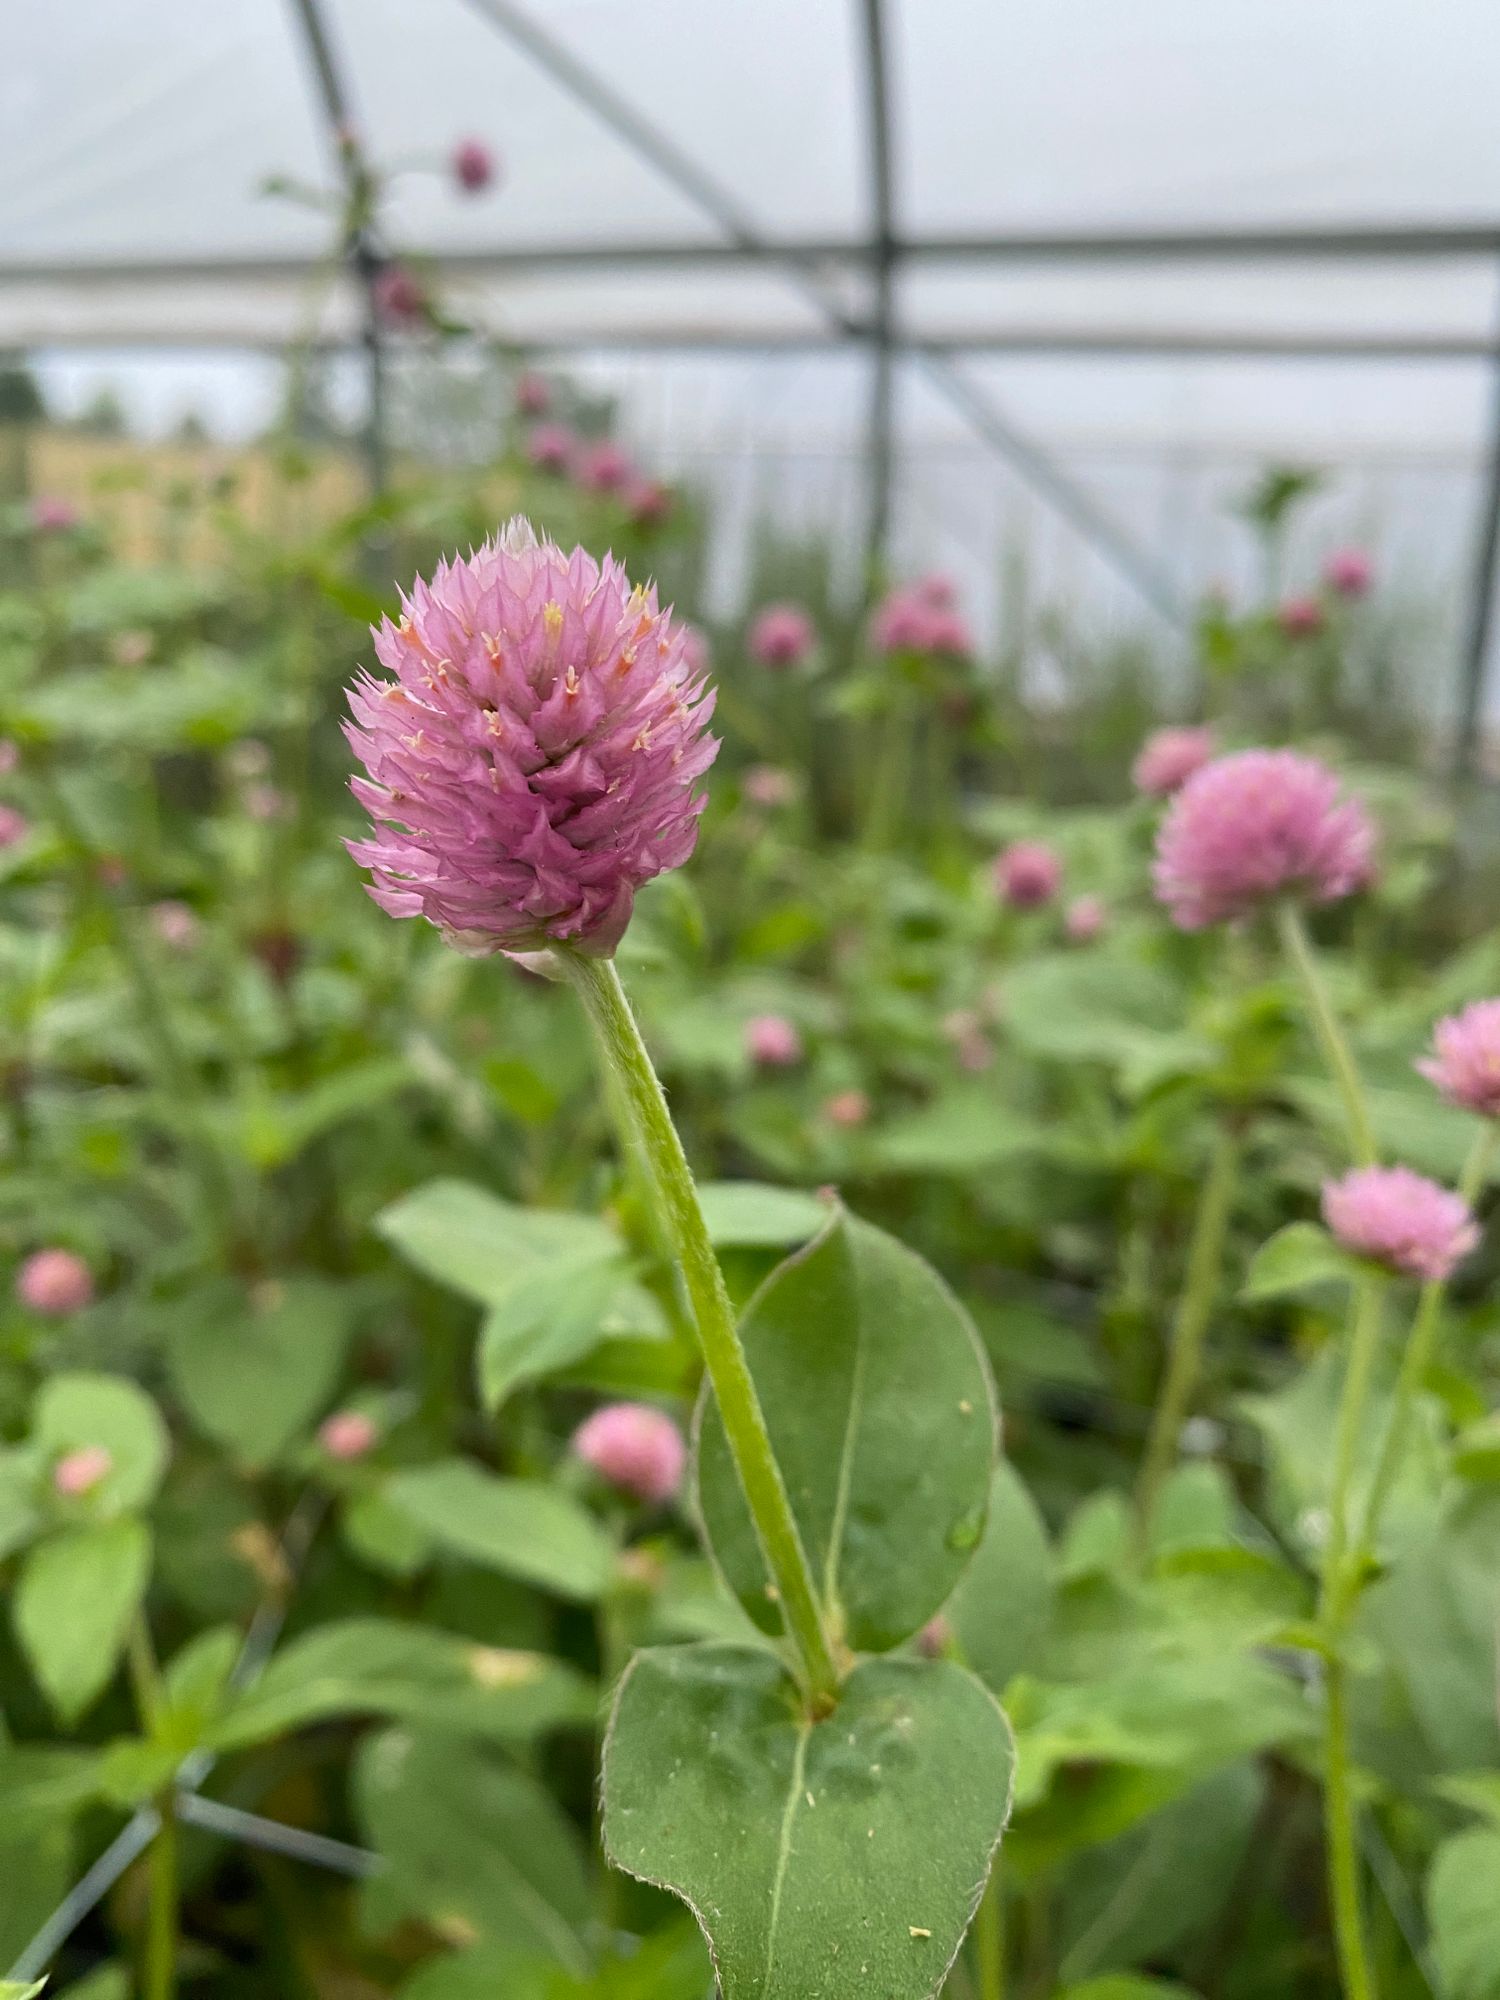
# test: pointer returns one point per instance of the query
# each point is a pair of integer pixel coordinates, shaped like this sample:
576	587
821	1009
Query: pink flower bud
1258	824
131	649
176	924
1027	874
348	1434
1169	757
781	635
921	619
773	1042
473	165
265	802
533	394
1402	1220
1300	617
1086	919
636	1448
79	1472
1349	572
55	1283
551	447
847	1109
648	502
935	1637
400	298
14	827
603	467
768	786
10	756
52	515
1465	1065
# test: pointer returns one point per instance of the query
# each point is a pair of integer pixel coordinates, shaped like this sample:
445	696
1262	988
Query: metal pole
880	449
1481	605
365	259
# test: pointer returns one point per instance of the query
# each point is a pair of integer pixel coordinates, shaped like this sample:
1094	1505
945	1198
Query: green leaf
1126	1986
484	1247
881	1411
1476	1791
960	1133
1463	1909
517	1526
107	1410
748	1213
844	1857
20	1516
44	1785
1296	1259
254	1369
75	1598
410	1673
381	1535
548	1321
671	1964
472	1843
1004	1598
12	1989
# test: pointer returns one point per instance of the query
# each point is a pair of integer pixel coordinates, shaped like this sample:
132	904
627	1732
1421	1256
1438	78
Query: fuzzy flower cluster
473	165
1255	825
1402	1220
636	1448
536	757
922	618
781	635
1465	1063
1168	758
55	1283
599	466
1027	874
772	1042
1349	572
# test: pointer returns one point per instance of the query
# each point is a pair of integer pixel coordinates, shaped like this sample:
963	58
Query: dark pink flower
79	1472
1349	572
536	758
1255	825
1465	1064
603	467
1169	757
533	394
1027	874
781	635
1086	919
400	297
1402	1220
772	1042
473	165
1300	617
921	619
648	502
551	447
55	1283
348	1434
636	1448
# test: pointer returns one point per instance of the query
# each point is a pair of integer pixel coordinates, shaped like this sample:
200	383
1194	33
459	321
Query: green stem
989	1937
1330	1035
597	984
1343	1843
160	1969
1190	1323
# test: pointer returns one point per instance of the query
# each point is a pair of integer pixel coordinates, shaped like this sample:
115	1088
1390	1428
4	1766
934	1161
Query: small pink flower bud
533	394
348	1434
1027	874
1255	825
781	635
1465	1065
1086	919
921	619
773	1042
636	1448
603	467
847	1109
55	1283
1349	572
1300	617
935	1637
79	1472
1169	757
14	827
1402	1220
648	502
265	802
400	298
176	924
551	447
473	165
52	515
768	786
10	756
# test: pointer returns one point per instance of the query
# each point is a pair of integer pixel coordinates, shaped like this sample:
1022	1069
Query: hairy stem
597	984
1190	1323
1331	1038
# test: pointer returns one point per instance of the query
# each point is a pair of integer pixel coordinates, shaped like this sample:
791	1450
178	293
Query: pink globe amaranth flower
772	1041
1027	874
551	447
921	619
536	758
781	635
79	1472
175	923
1086	918
400	297
848	1109
52	515
55	1283
348	1434
648	502
14	827
603	467
1300	617
1465	1063
473	165
636	1448
1402	1220
10	756
940	591
533	394
768	786
1349	572
1169	757
1257	824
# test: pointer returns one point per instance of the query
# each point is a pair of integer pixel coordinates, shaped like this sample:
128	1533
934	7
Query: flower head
603	467
781	635
1252	825
1465	1064
14	827
55	1283
52	515
399	296
10	756
1027	874
1349	572
175	923
634	1447
1168	758
79	1472
533	394
848	1109
537	756
473	165
348	1434
551	447
1085	919
1400	1219
1300	617
648	502
768	786
921	619
772	1042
